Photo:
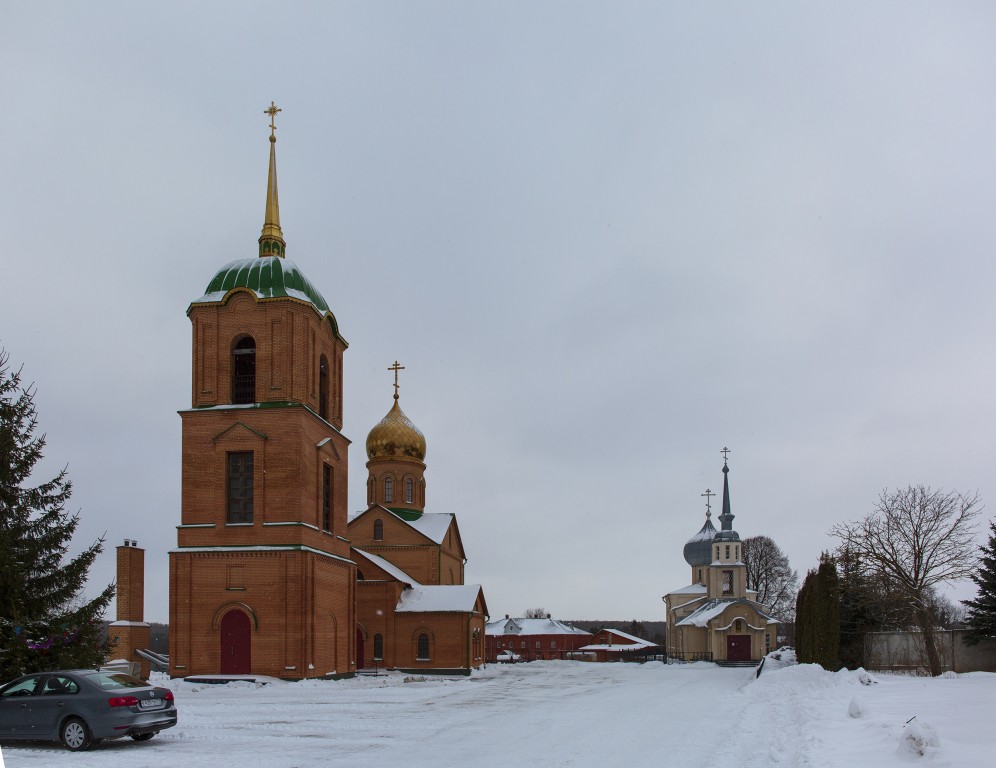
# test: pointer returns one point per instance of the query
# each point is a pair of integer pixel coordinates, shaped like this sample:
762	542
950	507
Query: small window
727	551
553	644
423	647
537	644
409	491
727	582
523	644
326	498
736	552
244	371
240	487
717	552
388	489
378	530
378	647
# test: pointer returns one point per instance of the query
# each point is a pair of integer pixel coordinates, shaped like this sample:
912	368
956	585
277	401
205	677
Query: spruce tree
817	620
981	619
45	621
805	621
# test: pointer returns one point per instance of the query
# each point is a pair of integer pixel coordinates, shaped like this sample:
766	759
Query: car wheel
143	736
75	735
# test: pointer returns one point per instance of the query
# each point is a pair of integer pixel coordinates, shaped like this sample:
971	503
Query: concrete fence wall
905	652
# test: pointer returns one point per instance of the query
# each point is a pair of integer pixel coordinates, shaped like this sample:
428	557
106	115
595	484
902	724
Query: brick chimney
130	632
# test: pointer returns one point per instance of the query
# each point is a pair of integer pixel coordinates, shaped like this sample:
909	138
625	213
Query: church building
716	617
263	579
413	610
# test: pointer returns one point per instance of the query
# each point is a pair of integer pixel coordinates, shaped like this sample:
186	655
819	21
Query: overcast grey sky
605	239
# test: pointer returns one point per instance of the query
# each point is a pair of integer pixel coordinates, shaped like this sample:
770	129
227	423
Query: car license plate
150	703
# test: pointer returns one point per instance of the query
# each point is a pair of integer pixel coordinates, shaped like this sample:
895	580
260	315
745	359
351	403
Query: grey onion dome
698	549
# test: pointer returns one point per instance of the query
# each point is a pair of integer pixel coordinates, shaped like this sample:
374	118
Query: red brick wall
300	605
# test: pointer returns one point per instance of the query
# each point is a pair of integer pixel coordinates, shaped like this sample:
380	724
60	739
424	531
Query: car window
25	687
57	685
111	681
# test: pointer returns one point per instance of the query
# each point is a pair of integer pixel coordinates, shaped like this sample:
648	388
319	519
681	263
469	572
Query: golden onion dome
396	437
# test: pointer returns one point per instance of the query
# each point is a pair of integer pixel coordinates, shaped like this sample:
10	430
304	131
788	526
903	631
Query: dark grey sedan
81	707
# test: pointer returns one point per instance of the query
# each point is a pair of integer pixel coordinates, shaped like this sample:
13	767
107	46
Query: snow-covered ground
569	714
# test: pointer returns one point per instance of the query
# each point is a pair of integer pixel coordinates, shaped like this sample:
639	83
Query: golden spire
271	241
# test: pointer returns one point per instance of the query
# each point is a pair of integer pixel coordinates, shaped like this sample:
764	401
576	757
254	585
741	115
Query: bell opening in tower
244	371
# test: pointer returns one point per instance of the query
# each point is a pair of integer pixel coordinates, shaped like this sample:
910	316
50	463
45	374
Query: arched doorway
359	648
236	644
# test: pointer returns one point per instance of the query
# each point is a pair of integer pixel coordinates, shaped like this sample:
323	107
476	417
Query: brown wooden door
236	644
738	647
359	648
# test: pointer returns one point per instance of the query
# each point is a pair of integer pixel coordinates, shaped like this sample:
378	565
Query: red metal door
359	648
236	644
738	647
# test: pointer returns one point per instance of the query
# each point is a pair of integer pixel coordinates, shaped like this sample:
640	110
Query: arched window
244	371
409	491
323	388
423	647
388	489
378	530
378	647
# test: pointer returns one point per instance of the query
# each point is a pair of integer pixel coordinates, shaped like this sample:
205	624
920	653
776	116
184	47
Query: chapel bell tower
261	580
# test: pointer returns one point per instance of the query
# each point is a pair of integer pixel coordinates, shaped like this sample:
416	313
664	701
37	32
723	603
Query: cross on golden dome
396	367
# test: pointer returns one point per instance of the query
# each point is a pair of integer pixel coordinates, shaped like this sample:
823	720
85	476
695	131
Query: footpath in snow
568	714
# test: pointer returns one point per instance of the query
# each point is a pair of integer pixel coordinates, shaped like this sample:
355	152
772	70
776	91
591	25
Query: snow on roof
701	616
446	598
691	589
434	525
392	570
618	648
517	626
627	636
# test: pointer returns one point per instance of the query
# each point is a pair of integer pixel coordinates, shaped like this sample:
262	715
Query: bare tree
769	573
535	613
917	538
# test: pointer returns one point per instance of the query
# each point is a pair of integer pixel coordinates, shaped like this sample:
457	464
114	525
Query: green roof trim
406	514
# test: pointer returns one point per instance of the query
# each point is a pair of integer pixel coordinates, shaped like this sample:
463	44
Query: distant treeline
647	630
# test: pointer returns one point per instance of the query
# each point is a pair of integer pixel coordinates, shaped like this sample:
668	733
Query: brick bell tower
261	580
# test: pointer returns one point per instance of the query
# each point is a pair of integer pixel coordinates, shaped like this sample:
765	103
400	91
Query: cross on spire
396	367
272	112
708	497
726	452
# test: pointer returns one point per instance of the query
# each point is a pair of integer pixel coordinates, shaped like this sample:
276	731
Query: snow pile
856	708
783	657
917	739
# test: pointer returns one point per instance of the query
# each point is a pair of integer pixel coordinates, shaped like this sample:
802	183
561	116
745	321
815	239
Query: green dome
269	277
